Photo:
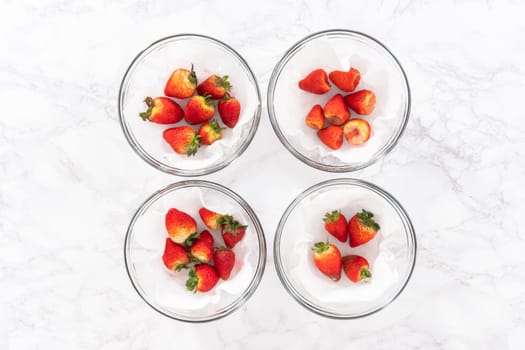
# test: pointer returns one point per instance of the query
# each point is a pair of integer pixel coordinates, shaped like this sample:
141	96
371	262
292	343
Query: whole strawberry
210	132
327	258
362	102
202	278
232	231
183	140
315	82
331	136
224	260
362	228
181	84
175	256
201	247
315	118
215	86
346	81
335	111
356	268
199	109
335	224
162	110
179	225
229	110
211	219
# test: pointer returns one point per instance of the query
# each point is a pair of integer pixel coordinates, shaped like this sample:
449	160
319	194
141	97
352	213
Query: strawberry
211	219
316	82
335	110
179	225
327	258
182	139
335	224
199	109
201	246
202	278
215	86
356	268
232	231
224	260
331	136
315	118
175	256
162	110
229	110
181	84
356	131
362	102
210	132
362	228
346	81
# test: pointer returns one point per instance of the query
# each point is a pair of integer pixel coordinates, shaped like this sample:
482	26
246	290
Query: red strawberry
175	256
201	247
179	225
332	136
356	131
210	132
229	110
181	84
335	110
362	102
211	219
162	110
356	268
346	81
215	86
224	260
315	118
199	110
232	231
182	139
335	224
316	82
327	258
202	278
362	228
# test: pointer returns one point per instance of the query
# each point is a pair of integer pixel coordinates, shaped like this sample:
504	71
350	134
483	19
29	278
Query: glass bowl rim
280	135
288	286
261	263
135	144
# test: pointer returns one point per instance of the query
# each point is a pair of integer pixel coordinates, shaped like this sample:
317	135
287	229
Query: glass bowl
380	71
147	75
164	290
391	254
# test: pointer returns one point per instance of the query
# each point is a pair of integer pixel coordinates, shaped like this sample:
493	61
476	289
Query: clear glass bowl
164	290
147	75
391	254
381	72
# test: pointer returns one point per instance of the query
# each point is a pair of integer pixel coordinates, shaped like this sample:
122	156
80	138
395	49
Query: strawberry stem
365	273
332	217
366	218
150	103
193	77
193	146
193	280
321	247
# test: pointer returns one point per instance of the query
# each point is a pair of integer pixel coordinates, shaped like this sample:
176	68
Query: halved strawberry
162	110
199	109
362	102
215	86
202	278
179	225
183	140
346	81
315	118
356	268
181	84
362	228
315	82
175	256
331	136
335	110
327	258
356	131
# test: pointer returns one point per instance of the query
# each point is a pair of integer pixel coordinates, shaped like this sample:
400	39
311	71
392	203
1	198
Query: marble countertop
69	181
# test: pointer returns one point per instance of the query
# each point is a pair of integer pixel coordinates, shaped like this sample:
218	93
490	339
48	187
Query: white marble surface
69	182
